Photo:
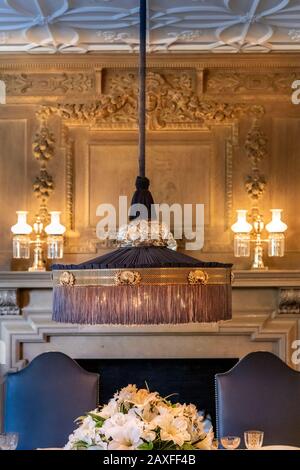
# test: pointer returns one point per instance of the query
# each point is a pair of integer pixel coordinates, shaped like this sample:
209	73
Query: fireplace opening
192	380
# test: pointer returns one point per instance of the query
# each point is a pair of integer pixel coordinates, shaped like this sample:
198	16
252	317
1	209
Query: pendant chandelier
144	281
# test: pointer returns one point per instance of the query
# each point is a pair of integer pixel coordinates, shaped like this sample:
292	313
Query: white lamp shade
241	225
276	225
55	227
21	227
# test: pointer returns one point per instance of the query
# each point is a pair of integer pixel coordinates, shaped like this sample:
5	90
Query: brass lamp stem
258	260
38	256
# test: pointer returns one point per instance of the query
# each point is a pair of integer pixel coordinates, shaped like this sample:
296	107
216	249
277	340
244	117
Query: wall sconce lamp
25	236
245	233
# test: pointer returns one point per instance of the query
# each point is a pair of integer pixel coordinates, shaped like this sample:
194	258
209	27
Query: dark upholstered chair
262	393
43	400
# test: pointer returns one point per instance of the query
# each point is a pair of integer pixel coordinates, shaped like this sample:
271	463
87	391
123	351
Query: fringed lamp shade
144	282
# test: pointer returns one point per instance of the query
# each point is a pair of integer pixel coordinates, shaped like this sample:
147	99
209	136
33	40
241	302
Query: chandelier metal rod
142	88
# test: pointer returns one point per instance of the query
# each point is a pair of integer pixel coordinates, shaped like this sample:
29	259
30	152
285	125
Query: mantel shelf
25	279
242	278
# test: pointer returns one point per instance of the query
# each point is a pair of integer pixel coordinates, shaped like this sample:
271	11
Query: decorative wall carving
16	83
9	302
69	156
289	301
33	84
171	104
255	185
43	145
227	82
256	150
294	34
43	185
229	182
43	151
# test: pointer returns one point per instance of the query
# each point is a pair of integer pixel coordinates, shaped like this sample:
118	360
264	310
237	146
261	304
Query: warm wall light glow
21	247
243	238
276	244
55	246
241	245
55	227
241	225
21	227
55	241
21	239
242	230
276	225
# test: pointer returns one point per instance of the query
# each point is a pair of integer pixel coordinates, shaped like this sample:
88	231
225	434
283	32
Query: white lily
109	410
143	397
172	428
125	433
126	393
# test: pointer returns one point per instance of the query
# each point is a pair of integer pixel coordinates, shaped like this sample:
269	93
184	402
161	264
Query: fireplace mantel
266	316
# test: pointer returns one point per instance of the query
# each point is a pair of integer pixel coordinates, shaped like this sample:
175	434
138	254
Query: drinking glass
253	439
8	441
230	442
215	444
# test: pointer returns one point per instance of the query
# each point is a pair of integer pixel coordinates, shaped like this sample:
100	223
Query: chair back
43	400
259	393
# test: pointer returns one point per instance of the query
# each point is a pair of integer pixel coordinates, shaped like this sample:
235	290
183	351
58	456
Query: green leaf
187	446
146	446
98	419
81	445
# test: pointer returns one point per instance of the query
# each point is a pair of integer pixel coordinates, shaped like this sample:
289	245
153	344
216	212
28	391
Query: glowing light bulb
21	227
276	225
241	225
55	227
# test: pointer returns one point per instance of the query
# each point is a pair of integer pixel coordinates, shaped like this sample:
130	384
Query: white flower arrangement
137	419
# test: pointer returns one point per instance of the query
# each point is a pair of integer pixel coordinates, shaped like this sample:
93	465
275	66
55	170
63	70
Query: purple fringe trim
141	305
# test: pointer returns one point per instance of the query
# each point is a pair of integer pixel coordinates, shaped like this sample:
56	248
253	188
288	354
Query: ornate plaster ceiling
174	25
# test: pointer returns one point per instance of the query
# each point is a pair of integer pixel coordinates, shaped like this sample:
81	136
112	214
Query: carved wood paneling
256	150
72	103
250	83
172	103
13	175
44	84
43	148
